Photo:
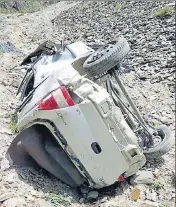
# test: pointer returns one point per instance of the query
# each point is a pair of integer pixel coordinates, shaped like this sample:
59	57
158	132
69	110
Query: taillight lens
59	98
121	178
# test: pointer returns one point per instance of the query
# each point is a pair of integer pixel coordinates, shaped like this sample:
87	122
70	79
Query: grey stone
92	195
151	195
142	177
84	190
173	54
11	177
142	75
166	120
81	200
104	199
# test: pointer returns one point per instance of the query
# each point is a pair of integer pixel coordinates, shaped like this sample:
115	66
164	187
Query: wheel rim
158	139
100	53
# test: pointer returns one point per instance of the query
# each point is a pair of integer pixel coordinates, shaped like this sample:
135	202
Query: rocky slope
22	6
150	82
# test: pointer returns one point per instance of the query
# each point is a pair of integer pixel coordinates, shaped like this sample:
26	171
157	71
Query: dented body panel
93	132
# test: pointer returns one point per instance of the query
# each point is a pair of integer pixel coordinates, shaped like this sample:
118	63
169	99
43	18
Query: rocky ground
150	83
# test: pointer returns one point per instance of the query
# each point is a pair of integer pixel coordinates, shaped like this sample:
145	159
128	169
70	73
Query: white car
77	121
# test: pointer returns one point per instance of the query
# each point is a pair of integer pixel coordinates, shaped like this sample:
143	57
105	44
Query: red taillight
120	178
59	98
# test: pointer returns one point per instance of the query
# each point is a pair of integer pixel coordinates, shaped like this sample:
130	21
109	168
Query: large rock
92	196
142	177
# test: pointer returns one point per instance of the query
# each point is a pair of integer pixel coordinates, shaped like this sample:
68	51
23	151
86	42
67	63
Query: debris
135	194
142	177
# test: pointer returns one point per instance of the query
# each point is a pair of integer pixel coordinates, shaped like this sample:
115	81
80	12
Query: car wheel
106	57
164	144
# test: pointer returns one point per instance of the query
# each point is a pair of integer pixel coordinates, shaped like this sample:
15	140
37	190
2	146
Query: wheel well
63	159
44	130
41	128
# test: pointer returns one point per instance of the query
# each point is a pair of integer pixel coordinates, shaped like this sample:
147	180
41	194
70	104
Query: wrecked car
77	120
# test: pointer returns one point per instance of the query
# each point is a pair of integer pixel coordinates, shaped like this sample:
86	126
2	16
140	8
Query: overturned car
76	119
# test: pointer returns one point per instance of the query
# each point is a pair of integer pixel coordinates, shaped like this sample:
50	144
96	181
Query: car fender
50	126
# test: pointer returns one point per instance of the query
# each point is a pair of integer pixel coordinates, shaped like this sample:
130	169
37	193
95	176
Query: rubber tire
164	147
33	143
110	59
